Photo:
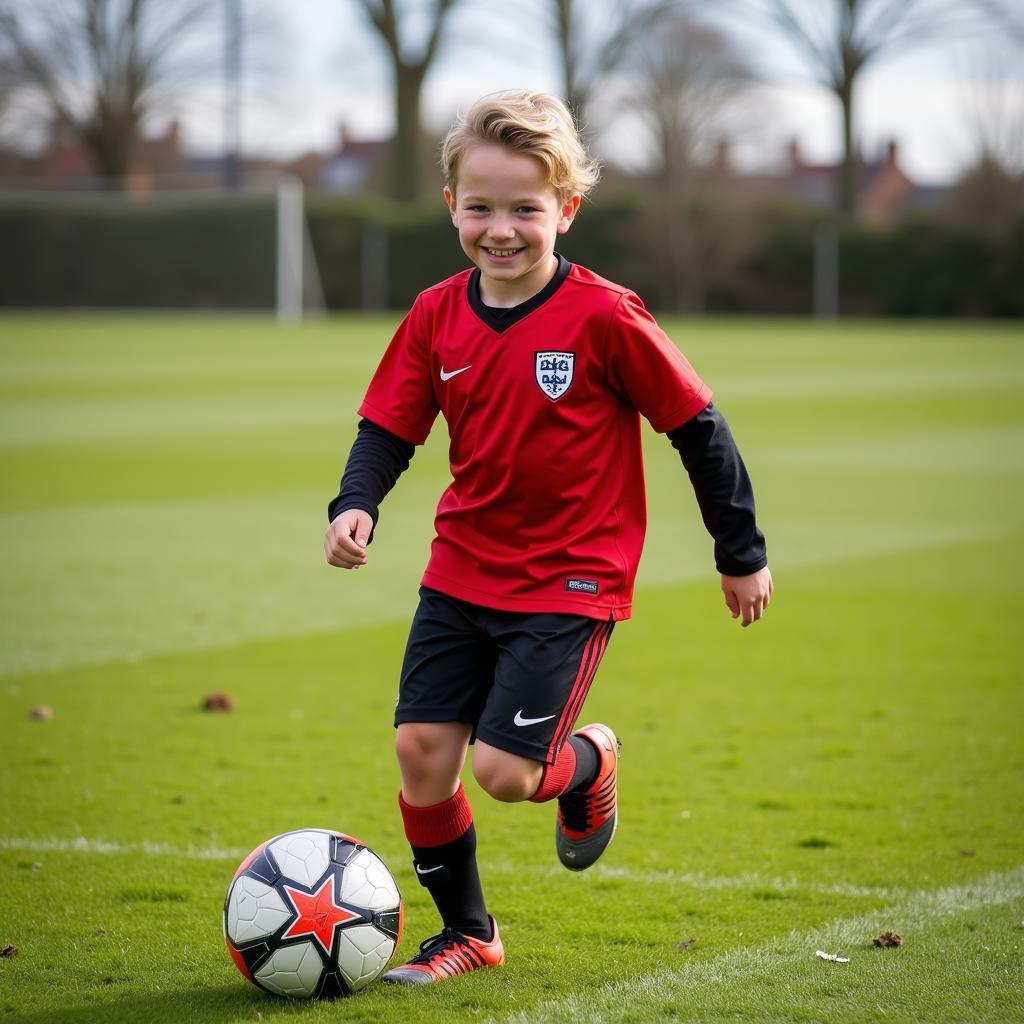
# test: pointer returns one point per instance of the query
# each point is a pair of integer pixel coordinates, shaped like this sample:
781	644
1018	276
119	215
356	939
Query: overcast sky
324	67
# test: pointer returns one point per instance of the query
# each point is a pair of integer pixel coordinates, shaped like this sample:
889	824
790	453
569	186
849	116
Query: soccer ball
312	913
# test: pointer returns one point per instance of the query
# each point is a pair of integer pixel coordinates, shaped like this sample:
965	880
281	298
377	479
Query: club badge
554	372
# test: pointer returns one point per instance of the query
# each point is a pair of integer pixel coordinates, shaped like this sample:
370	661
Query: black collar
499	319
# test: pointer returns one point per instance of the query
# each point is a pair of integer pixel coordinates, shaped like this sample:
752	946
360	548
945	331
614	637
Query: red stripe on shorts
596	655
593	651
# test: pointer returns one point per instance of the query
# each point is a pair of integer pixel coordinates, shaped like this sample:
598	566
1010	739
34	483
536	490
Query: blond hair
533	123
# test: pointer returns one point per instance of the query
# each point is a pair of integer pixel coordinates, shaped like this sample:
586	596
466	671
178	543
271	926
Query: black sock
587	763
449	873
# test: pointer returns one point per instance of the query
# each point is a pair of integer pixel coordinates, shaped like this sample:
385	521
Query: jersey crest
554	372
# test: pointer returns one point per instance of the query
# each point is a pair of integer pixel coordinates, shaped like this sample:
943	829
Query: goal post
298	286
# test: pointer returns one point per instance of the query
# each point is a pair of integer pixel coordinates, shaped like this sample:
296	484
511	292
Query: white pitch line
700	981
752	880
689	879
699	880
80	844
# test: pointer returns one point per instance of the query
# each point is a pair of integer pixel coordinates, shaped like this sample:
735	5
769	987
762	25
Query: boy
542	370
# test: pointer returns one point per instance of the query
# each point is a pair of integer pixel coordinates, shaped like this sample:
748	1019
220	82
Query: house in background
65	162
353	166
162	161
884	190
349	169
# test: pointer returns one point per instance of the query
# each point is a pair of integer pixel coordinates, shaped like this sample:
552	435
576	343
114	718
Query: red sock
575	768
557	775
443	841
439	823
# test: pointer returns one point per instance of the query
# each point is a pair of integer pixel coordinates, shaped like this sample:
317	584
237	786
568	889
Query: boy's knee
430	755
506	777
421	746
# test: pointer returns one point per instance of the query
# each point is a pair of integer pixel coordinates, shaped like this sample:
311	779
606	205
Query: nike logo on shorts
519	720
454	373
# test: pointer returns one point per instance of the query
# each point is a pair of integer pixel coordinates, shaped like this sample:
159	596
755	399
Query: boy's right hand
346	538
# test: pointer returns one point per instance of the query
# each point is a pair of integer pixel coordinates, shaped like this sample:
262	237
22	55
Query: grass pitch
851	764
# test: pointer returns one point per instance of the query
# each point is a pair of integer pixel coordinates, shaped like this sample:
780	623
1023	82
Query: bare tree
682	83
838	39
409	65
994	105
8	83
591	47
101	66
990	194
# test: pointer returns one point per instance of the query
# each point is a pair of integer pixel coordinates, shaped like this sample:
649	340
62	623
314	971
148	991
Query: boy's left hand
748	595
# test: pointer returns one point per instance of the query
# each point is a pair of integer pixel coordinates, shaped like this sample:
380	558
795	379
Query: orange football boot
445	955
587	819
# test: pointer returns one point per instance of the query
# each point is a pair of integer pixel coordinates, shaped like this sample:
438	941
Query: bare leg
431	756
507	777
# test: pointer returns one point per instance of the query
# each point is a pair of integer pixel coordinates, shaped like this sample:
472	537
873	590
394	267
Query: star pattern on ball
318	914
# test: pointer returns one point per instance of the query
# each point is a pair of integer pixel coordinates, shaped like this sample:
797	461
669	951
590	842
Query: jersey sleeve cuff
682	413
397	427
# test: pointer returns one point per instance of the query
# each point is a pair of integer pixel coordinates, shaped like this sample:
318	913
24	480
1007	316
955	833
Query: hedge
219	253
169	254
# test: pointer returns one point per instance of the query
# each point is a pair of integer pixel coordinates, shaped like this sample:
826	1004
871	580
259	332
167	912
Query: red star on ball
318	914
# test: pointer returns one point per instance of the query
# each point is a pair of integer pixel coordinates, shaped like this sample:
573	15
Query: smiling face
508	217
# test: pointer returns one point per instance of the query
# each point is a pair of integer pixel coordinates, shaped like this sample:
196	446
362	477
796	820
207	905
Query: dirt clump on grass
9	951
888	939
218	702
41	713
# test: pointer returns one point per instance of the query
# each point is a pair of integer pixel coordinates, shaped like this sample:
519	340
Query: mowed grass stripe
137	579
195	404
712	989
964	450
195	578
819	380
200	410
123	583
72	422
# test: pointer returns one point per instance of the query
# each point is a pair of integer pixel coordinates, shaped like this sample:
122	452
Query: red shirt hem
507	603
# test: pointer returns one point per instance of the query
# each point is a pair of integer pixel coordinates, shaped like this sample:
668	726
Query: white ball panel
362	954
255	910
292	971
366	882
302	856
367	938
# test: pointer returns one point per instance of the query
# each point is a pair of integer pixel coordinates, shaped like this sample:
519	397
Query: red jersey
546	510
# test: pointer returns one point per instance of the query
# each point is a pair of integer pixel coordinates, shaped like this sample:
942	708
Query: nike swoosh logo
426	871
519	720
454	373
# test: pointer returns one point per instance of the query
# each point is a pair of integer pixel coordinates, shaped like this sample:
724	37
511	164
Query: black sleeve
377	459
723	491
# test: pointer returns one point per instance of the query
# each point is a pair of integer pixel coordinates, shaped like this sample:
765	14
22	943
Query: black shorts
518	678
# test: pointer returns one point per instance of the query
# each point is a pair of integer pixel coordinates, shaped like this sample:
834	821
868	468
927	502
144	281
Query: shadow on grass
215	1003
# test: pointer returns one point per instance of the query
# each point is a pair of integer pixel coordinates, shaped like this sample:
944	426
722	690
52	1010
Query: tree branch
443	7
382	16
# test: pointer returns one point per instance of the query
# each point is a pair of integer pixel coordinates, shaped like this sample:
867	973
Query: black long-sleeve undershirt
724	494
377	459
705	444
